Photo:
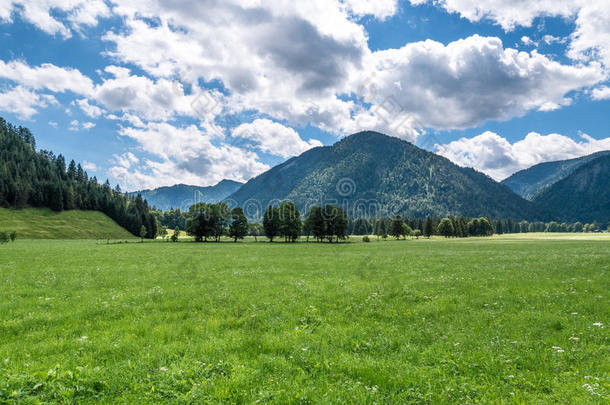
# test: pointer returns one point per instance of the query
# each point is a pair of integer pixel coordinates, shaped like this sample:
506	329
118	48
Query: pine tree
271	222
428	228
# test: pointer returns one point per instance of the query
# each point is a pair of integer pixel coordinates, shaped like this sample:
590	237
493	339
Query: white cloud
467	82
186	155
601	93
528	41
42	14
89	166
91	111
150	100
126	160
274	138
381	9
23	102
286	59
590	40
507	13
46	76
75	125
494	155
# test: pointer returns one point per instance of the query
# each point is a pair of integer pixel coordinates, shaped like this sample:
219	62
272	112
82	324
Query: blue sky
195	92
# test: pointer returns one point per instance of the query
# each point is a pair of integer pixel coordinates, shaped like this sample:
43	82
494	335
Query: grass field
499	320
42	223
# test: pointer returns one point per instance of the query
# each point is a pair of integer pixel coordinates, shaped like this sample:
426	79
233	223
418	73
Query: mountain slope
42	223
183	196
527	183
582	196
369	166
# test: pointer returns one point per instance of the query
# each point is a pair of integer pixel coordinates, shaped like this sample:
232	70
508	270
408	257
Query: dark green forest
31	178
370	168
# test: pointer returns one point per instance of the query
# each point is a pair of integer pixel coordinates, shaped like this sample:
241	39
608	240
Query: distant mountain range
371	173
370	166
183	196
584	195
527	183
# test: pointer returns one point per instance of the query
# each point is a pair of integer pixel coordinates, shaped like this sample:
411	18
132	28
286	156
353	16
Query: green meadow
43	223
508	319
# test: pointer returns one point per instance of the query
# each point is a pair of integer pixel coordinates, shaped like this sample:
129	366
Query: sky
151	93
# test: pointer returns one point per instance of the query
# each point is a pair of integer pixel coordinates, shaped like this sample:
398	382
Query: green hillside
582	196
372	167
527	183
34	223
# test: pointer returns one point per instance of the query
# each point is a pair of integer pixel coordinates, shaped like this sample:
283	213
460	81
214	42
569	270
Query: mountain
583	196
183	196
527	183
370	167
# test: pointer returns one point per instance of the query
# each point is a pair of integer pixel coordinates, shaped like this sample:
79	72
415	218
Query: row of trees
41	179
212	221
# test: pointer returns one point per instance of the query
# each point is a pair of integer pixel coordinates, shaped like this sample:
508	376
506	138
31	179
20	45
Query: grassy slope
427	321
43	223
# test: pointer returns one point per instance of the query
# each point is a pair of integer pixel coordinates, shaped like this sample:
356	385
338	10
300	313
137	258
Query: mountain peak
391	173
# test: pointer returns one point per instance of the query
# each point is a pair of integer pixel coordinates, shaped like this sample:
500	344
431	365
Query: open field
505	319
42	223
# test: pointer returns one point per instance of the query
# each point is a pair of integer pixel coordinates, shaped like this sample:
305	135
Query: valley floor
513	319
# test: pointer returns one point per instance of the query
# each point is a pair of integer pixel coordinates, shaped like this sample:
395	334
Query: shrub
12	235
4	237
366	239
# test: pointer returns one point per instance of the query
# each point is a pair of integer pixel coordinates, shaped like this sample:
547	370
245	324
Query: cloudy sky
150	93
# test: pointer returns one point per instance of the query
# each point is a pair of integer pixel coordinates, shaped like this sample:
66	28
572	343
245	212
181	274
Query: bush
4	237
12	236
366	239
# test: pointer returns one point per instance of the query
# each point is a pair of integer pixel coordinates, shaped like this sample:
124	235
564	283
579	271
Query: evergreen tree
396	227
428	228
239	224
271	222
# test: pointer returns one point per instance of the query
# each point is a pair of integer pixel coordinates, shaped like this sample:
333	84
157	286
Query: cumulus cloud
23	102
601	93
91	111
183	155
46	76
590	40
42	14
470	81
274	138
494	155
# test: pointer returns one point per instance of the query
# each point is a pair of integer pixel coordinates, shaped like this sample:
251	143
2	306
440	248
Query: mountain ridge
182	196
372	166
584	195
529	182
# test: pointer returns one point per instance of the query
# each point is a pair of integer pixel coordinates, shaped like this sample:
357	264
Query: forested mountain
582	196
182	196
527	183
41	179
371	166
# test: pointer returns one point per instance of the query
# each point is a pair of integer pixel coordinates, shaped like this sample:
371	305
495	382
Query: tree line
331	223
205	222
42	179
